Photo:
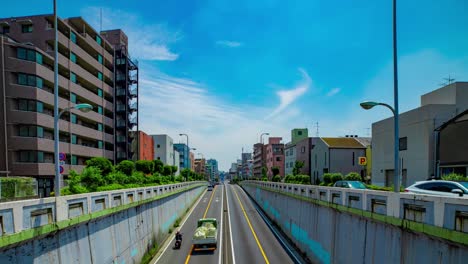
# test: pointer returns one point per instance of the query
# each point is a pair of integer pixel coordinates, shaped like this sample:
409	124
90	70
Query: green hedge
18	187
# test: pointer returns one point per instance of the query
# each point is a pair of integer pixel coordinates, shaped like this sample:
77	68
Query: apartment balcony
121	123
121	107
133	92
120	92
133	106
121	139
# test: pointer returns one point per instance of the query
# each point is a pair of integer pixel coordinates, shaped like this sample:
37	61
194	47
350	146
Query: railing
22	215
447	212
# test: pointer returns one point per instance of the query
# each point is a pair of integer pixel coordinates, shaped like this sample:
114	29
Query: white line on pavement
221	229
230	230
180	227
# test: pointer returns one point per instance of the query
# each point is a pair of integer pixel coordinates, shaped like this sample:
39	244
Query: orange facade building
146	148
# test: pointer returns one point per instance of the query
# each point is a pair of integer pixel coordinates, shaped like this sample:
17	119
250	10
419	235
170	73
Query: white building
177	161
164	149
416	144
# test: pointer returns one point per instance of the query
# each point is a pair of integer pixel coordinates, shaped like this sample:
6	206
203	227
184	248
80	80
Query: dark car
350	184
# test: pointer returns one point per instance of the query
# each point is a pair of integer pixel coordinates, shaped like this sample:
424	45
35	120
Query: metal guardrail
446	212
18	216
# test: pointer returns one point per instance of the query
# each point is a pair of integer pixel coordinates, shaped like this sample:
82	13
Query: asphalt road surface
243	236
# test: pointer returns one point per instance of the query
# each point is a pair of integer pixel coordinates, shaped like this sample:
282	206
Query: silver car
440	188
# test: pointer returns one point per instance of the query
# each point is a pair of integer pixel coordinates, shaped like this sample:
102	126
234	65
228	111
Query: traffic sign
61	169
62	156
362	161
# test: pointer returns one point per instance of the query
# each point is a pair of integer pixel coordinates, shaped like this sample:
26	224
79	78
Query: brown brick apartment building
146	147
86	75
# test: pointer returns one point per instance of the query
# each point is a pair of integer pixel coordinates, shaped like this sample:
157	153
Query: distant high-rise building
184	156
259	159
212	169
275	156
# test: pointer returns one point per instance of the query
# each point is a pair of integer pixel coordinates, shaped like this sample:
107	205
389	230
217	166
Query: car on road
210	187
350	184
440	188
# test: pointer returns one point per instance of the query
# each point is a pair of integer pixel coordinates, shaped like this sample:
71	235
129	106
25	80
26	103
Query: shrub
144	166
157	166
327	178
275	171
353	176
174	169
91	178
264	179
297	167
16	187
167	170
104	165
110	187
336	177
303	179
454	177
126	166
276	178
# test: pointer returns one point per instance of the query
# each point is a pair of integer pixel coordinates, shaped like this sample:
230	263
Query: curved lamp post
396	175
83	108
261	136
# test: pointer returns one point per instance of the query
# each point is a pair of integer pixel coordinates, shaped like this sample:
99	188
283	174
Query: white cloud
333	91
172	105
147	41
287	97
230	44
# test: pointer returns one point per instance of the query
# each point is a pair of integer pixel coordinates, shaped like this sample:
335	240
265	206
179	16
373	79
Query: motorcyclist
178	236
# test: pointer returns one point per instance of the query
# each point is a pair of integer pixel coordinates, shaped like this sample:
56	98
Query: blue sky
225	71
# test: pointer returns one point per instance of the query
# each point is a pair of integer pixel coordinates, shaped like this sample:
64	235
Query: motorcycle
178	241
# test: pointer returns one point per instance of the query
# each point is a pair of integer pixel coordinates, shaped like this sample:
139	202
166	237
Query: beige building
417	133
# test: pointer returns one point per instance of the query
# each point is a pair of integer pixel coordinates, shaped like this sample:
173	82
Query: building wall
319	160
259	159
177	161
92	133
275	156
418	159
453	147
299	134
192	161
146	146
183	155
345	161
289	158
303	148
164	149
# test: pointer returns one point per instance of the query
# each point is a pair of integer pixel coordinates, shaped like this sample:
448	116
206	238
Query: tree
297	167
275	171
126	166
264	172
158	166
336	177
353	176
145	166
91	178
186	174
103	164
276	178
174	169
167	170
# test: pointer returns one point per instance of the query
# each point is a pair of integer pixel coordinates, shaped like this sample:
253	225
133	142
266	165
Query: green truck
206	234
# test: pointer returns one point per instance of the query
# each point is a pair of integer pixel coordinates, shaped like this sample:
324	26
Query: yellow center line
187	259
251	229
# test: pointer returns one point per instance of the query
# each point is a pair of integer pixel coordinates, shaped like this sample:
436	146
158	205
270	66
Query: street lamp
261	136
396	175
83	108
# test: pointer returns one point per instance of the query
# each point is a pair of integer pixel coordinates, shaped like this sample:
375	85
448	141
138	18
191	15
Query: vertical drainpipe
4	105
115	108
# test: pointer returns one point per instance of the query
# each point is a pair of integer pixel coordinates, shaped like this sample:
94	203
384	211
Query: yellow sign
362	161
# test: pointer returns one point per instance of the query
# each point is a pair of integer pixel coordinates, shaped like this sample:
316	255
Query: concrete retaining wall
329	228
101	228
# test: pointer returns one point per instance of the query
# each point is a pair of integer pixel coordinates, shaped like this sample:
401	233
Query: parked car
350	184
440	188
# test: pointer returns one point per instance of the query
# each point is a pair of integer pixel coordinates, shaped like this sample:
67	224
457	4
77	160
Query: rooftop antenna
317	127
448	81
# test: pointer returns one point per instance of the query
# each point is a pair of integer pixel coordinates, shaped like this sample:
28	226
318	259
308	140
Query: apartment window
73	98
73	77
99	58
73	37
74	160
40	131
403	143
21	53
303	150
29	80
352	161
73	57
38	58
29	156
99	75
73	118
99	127
74	139
158	146
99	109
99	92
27	28
278	158
27	131
100	144
30	105
299	133
6	29
30	55
98	40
